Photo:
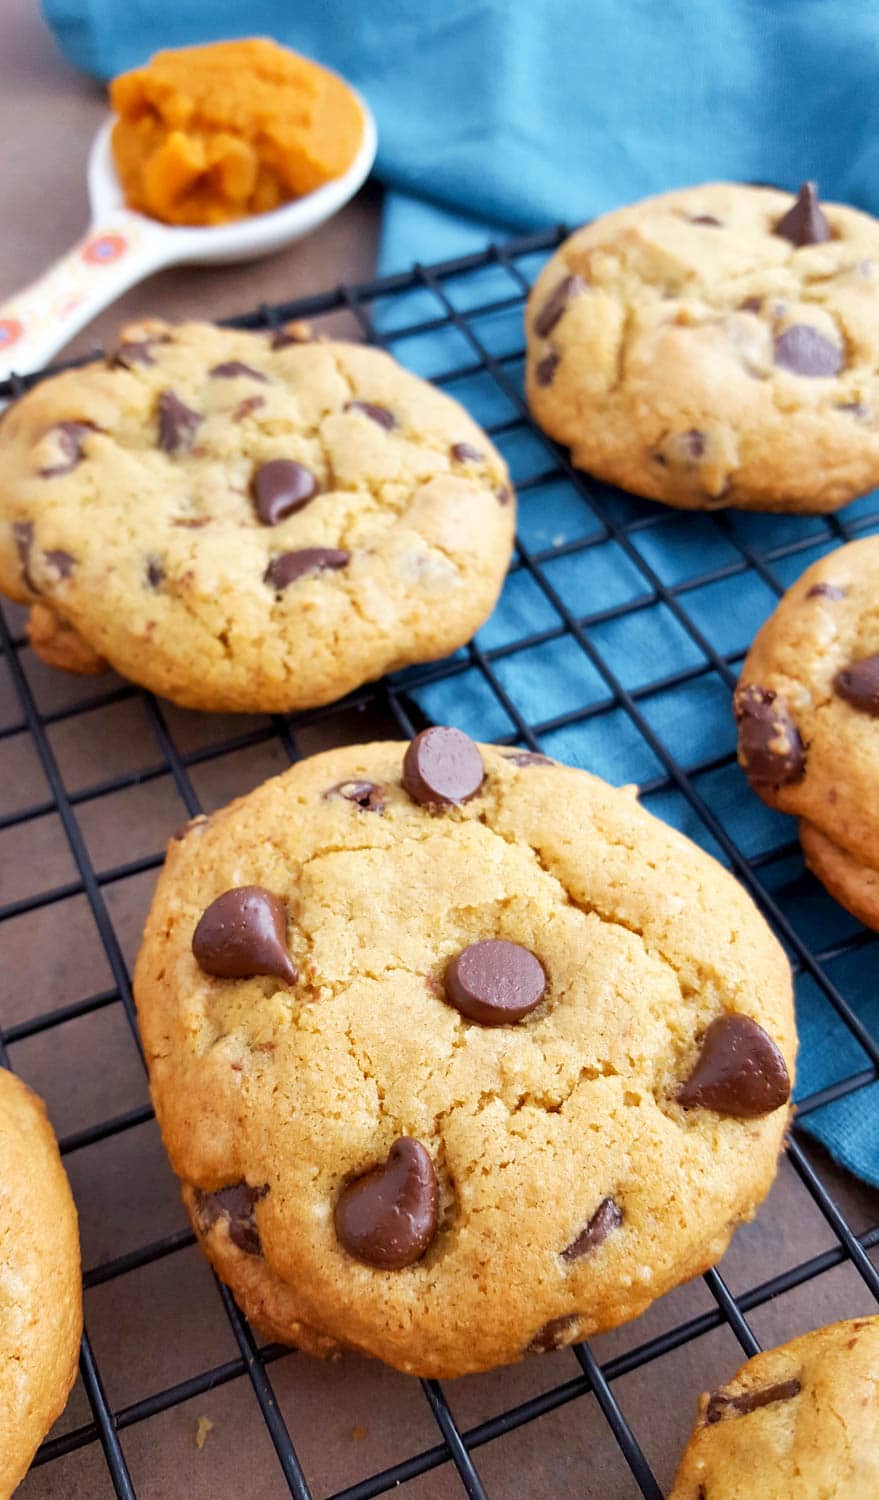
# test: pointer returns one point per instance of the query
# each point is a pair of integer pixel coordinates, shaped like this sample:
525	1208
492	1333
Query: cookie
800	1422
245	521
807	706
40	1288
715	346
459	1053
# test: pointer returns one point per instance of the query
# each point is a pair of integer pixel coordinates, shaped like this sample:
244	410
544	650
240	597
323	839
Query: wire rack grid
658	715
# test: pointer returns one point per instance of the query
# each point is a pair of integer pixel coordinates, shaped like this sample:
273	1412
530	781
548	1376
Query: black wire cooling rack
455	303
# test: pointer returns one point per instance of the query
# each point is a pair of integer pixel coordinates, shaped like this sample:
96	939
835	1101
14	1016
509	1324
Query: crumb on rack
203	1426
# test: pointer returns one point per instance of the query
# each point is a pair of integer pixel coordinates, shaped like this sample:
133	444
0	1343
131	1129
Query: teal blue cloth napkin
498	115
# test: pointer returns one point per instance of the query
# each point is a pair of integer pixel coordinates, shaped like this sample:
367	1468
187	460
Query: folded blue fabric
496	115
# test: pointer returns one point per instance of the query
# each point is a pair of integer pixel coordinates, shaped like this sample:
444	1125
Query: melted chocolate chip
155	572
604	1221
61	561
804	223
555	304
248	405
465	453
706	219
555	1334
388	1216
243	933
442	768
544	370
177	423
230	368
378	414
289	566
739	1071
23	532
856	408
804	351
69	439
235	1204
825	591
365	793
771	751
504	495
495	982
692	443
138	351
281	487
858	684
527	758
751	304
721	1406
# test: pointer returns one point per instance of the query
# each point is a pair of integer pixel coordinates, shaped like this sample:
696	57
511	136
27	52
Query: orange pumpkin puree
209	134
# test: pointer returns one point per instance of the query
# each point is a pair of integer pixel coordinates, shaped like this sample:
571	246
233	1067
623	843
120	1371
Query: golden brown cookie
800	1422
40	1289
459	1053
246	522
715	346
807	706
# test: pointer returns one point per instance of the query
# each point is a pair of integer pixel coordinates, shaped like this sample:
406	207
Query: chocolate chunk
706	219
802	350
442	768
155	572
388	1216
379	414
289	566
177	423
555	1334
365	793
720	1405
138	351
235	1204
544	370
465	453
281	487
825	591
804	223
771	750
69	438
527	758
739	1071
858	684
555	304
248	405
232	367
495	982
23	532
61	561
604	1221
243	933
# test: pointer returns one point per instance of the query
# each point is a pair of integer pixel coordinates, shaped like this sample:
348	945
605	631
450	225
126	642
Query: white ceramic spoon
122	247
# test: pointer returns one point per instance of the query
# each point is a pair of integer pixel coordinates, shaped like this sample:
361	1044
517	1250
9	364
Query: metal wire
439	288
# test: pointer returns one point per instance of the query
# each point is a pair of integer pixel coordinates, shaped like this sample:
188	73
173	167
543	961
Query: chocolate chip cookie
807	706
459	1053
715	346
800	1422
40	1289
240	521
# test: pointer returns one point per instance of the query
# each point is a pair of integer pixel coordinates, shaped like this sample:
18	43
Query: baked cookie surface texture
242	522
460	1054
715	346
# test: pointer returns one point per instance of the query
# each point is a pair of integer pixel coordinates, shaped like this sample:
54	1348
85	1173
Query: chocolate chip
858	684
857	409
706	219
365	793
248	405
442	768
379	414
555	1334
544	370
771	751
693	442
604	1221
281	487
243	933
230	368
69	439
388	1216
235	1204
804	223
504	494
23	532
720	1405
495	982
177	423
555	304
527	758
751	304
802	350
289	566
825	591
138	351
61	561
739	1071
465	453
155	572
